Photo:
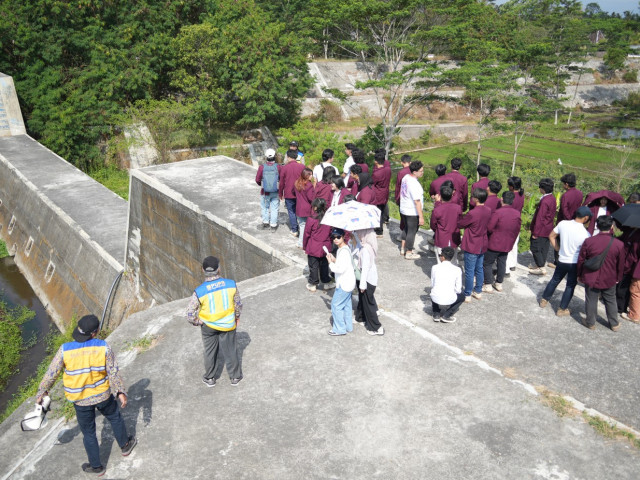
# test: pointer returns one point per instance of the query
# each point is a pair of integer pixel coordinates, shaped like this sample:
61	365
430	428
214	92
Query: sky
618	6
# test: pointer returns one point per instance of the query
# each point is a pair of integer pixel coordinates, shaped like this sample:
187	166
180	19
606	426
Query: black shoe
235	381
273	229
87	468
209	382
265	226
126	450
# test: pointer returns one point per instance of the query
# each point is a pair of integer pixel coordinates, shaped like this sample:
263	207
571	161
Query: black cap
86	326
293	143
337	232
210	265
583	212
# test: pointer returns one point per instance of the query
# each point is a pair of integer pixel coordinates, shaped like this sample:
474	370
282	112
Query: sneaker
329	286
477	296
209	382
380	331
467	299
293	234
486	288
543	303
584	324
537	271
312	288
615	328
236	381
625	316
436	317
563	312
334	334
273	229
497	287
448	319
411	256
551	265
87	468
265	226
126	450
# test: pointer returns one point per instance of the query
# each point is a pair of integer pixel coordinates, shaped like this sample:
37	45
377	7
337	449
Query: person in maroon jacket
317	236
366	194
359	158
570	200
444	222
339	190
434	188
503	230
541	226
601	282
631	239
493	200
356	170
475	244
483	172
288	176
269	201
303	188
634	291
323	189
405	161
460	184
515	186
381	178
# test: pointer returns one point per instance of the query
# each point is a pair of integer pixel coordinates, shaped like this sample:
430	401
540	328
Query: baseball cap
86	326
583	212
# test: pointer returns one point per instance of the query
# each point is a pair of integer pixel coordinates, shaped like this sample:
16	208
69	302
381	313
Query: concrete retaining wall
11	122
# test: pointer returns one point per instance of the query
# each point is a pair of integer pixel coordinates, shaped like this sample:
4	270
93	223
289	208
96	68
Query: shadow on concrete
140	402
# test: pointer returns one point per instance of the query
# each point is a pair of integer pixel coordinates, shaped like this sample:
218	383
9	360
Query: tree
240	68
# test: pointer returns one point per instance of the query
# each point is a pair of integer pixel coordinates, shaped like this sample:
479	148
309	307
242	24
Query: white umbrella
352	216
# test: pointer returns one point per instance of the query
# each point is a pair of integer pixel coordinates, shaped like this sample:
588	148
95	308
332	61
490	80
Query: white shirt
601	211
410	191
349	162
343	268
318	170
368	270
446	283
336	198
572	235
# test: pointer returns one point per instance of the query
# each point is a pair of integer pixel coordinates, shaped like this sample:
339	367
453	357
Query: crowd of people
481	224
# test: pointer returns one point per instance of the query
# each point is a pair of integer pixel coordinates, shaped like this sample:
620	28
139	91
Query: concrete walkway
426	400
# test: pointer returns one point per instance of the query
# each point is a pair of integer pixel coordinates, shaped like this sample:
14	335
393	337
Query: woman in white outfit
367	311
342	266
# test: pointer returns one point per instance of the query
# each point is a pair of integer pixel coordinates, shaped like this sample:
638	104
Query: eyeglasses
333	237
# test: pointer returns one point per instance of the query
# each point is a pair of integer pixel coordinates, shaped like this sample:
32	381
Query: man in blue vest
90	375
215	307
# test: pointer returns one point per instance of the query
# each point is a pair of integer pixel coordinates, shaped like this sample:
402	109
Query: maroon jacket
518	202
323	190
259	176
303	200
399	177
444	222
315	237
631	241
613	266
504	228
365	167
461	195
434	188
381	177
569	203
493	203
352	185
483	183
475	224
542	221
288	176
366	195
343	193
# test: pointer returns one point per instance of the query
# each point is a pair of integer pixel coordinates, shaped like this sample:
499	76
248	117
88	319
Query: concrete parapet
180	213
65	230
11	122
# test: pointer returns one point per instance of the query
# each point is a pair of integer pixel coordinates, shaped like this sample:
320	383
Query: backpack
270	178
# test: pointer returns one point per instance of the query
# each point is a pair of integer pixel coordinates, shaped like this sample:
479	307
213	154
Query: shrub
630	76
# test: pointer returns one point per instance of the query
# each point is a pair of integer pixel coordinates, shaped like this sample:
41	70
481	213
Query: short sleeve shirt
410	191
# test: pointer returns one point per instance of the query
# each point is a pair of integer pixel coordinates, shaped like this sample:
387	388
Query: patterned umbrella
352	216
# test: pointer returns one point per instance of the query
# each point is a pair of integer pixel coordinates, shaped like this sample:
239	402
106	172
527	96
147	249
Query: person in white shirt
411	206
327	160
367	311
342	266
572	234
446	288
346	171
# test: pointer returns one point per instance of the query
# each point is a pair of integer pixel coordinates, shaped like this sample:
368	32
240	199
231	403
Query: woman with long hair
316	236
303	189
515	186
339	190
323	188
367	311
341	264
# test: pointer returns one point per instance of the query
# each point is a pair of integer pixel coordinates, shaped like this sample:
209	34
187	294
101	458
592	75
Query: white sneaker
477	296
448	320
486	288
311	287
380	331
497	286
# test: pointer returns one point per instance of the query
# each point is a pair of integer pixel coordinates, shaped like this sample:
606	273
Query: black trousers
318	265
213	340
447	311
591	296
540	250
367	310
490	257
383	219
622	293
410	230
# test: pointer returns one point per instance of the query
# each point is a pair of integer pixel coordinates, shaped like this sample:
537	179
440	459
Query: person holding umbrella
342	266
602	202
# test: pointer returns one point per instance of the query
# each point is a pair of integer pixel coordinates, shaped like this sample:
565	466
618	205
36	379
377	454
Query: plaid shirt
193	309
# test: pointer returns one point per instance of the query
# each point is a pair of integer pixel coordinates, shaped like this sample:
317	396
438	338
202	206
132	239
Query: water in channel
15	290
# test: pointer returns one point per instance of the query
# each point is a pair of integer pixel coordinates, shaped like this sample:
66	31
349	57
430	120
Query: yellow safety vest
85	369
217	308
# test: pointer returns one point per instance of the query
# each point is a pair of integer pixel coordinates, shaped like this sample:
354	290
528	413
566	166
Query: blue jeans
342	310
87	422
270	203
570	270
473	268
290	203
302	221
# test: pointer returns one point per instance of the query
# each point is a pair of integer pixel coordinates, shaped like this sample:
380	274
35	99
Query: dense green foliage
11	342
3	250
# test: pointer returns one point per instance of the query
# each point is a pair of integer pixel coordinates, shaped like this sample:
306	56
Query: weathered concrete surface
66	230
180	213
11	122
405	405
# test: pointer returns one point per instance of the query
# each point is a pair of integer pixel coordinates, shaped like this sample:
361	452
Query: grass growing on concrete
608	430
142	344
114	179
558	404
3	250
